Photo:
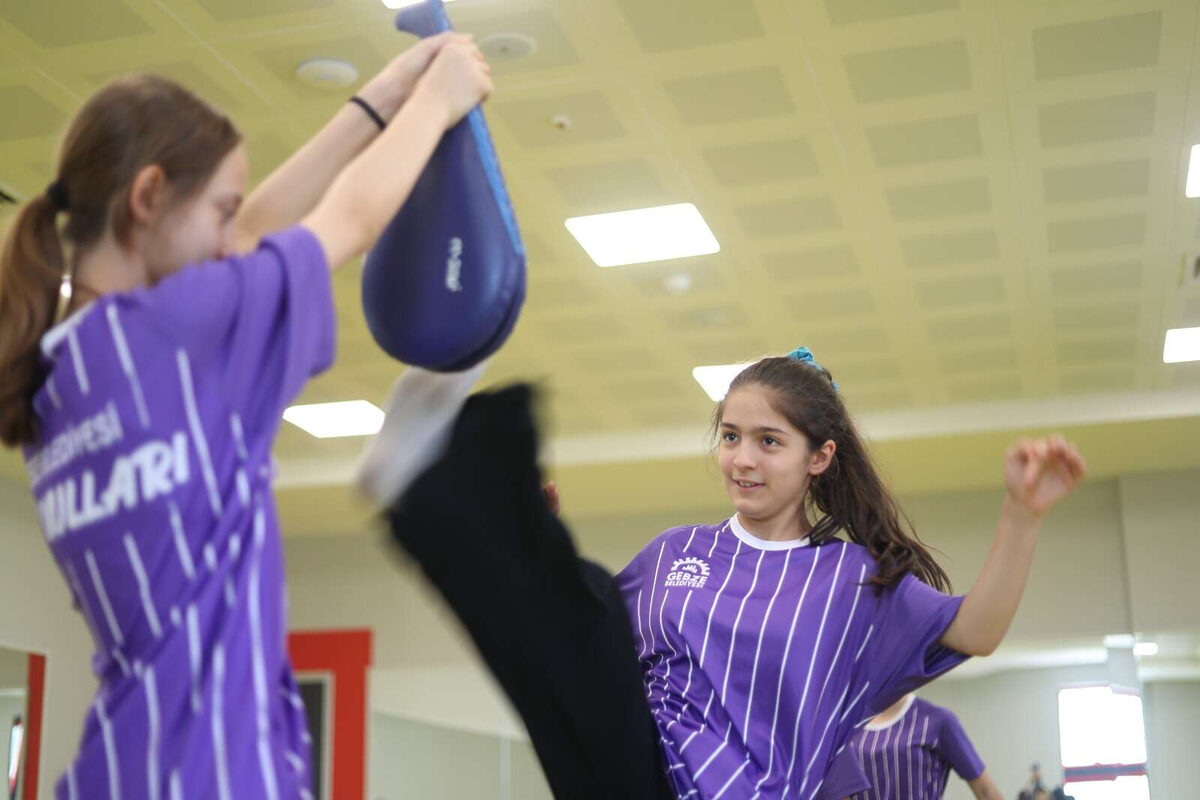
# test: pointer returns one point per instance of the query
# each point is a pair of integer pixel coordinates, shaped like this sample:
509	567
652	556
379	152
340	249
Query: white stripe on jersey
143	582
152	744
193	629
642	636
52	390
210	557
911	732
783	666
717	599
732	777
653	587
127	366
863	646
98	584
181	543
176	786
854	702
77	358
110	751
239	437
833	586
72	789
736	622
218	723
265	761
762	630
689	541
862	571
84	606
193	415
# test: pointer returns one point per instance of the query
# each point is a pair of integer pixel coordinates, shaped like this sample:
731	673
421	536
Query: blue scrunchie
805	356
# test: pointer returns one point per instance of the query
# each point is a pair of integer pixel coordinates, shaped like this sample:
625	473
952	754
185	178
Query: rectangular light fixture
1181	344
331	420
1145	649
715	379
1192	189
405	3
644	234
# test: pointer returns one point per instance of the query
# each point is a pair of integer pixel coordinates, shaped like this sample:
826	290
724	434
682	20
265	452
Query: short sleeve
262	323
845	775
957	750
904	652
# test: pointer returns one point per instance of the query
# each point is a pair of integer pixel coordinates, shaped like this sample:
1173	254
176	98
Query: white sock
421	410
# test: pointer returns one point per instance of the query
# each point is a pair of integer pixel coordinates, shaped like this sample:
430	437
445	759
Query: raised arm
295	187
1038	475
367	193
985	788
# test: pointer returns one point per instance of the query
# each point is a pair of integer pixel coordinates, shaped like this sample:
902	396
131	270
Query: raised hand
388	90
1039	473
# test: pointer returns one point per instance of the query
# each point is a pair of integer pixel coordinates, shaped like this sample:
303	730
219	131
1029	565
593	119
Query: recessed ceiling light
330	420
1145	649
1181	344
327	73
715	379
406	3
644	234
1192	189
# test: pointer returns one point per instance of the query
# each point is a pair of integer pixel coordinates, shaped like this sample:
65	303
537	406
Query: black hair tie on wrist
371	112
57	192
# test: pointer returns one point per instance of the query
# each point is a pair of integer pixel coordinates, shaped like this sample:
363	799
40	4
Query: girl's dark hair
128	125
849	495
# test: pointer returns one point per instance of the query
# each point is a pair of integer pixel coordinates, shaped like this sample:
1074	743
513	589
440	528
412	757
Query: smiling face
766	462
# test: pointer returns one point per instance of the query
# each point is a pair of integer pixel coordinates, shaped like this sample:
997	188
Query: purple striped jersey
152	481
760	657
910	758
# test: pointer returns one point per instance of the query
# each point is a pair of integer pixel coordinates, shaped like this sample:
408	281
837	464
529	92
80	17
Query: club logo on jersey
688	571
454	265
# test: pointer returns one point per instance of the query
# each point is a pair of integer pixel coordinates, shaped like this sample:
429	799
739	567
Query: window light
1181	344
330	420
1192	189
644	234
1145	649
715	379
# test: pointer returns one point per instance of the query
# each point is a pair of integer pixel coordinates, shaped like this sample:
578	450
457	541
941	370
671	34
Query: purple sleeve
904	652
845	776
956	748
262	323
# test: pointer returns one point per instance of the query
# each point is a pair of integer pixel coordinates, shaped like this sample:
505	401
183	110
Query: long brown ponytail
849	495
130	124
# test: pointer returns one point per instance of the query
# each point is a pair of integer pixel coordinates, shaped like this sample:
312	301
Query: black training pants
551	626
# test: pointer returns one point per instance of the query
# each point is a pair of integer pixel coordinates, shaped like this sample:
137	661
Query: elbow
981	649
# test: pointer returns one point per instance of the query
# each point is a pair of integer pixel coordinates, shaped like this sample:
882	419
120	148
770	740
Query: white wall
36	616
1173	736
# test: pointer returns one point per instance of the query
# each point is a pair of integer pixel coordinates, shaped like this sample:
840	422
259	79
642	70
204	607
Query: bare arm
295	187
368	192
985	788
1038	475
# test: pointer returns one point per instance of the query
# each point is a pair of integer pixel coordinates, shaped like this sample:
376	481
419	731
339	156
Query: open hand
1039	473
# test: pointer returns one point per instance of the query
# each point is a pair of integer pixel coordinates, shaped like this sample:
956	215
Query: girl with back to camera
152	329
726	660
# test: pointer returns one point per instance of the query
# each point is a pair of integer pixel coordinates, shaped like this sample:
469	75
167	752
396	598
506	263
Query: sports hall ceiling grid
951	201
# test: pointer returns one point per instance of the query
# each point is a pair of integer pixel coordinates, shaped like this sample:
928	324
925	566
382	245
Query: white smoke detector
327	73
508	46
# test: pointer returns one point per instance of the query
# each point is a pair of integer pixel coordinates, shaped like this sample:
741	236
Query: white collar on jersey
53	337
879	726
749	538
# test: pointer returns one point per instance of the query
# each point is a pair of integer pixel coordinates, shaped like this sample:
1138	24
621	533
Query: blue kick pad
443	286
